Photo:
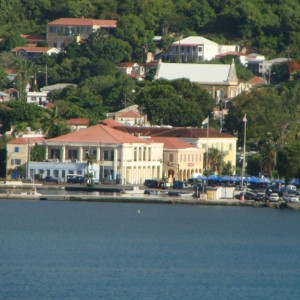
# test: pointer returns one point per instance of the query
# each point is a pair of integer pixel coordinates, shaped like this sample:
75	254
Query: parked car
179	185
291	198
151	183
273	197
50	179
75	179
247	196
260	197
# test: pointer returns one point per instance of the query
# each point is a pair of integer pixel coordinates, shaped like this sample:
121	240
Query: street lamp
244	150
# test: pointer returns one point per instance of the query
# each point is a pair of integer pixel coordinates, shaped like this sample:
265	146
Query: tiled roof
235	53
10	71
78	121
257	80
126	64
129	114
110	123
172	142
26	140
180	132
98	134
32	49
84	22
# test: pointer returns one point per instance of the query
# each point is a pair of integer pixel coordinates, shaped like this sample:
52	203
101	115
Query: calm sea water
74	250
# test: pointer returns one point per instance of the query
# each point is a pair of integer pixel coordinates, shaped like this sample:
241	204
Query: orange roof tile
126	64
129	114
110	122
32	49
257	80
84	22
26	140
98	134
172	142
180	132
78	121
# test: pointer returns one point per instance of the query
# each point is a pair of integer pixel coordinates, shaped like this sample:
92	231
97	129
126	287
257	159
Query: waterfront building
106	153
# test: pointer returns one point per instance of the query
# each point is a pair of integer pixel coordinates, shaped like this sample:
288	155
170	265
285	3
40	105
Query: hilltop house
197	49
64	31
31	52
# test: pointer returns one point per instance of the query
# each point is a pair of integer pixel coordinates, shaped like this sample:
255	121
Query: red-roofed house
18	153
31	52
117	156
131	69
78	123
64	31
131	115
34	39
181	159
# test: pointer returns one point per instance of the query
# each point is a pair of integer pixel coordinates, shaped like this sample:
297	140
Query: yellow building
18	152
64	31
180	159
198	137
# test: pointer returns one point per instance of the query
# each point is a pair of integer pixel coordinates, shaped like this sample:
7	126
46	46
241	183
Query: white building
197	49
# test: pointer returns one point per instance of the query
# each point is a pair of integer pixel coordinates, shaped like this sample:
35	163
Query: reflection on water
57	192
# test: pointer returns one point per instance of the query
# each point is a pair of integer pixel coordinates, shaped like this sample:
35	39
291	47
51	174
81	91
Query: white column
80	154
115	164
63	153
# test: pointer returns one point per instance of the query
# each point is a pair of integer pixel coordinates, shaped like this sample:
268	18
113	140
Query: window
144	153
149	154
54	153
72	154
135	154
171	157
112	155
12	162
55	173
17	149
106	155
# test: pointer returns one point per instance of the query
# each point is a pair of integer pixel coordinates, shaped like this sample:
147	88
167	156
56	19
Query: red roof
172	142
126	64
129	114
110	123
26	140
98	134
84	22
10	71
78	121
32	49
180	132
234	53
257	80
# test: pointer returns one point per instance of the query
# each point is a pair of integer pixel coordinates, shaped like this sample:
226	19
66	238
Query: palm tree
215	160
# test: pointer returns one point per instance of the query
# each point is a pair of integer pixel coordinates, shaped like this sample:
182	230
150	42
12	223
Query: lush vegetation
268	27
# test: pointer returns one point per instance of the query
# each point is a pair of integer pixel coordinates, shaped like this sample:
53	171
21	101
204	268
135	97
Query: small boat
32	192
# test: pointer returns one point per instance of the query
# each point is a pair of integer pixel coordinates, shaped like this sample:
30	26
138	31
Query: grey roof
58	86
198	73
194	40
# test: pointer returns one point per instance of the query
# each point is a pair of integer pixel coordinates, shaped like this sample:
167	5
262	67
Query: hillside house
64	31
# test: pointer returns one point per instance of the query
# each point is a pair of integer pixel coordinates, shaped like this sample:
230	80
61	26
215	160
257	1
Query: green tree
288	165
13	41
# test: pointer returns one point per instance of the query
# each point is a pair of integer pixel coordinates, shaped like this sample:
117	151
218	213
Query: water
75	250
